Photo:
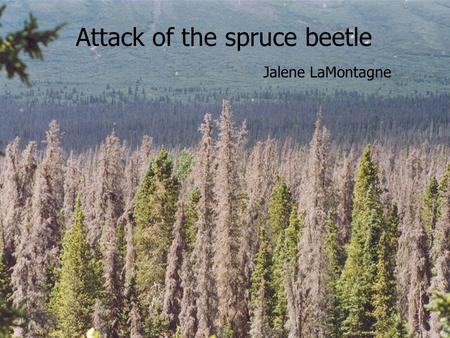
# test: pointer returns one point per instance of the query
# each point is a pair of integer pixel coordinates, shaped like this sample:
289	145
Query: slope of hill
408	36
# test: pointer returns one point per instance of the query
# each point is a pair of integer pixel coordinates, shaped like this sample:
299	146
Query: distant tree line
172	119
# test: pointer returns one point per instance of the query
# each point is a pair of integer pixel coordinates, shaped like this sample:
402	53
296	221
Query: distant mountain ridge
408	36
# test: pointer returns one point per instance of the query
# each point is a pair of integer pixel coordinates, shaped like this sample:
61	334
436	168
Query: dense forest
173	118
225	238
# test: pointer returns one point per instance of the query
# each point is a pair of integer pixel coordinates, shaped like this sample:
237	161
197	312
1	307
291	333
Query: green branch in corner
27	40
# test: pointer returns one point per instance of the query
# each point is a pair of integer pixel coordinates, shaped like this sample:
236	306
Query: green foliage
5	278
440	303
355	286
430	209
154	214
281	206
284	265
27	41
74	294
292	235
262	274
121	244
384	288
445	182
184	165
227	331
157	323
191	216
9	316
334	256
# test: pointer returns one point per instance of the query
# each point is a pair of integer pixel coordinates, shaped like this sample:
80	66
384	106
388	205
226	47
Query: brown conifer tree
188	314
203	248
440	282
313	263
173	292
73	181
10	217
232	311
109	207
413	263
33	275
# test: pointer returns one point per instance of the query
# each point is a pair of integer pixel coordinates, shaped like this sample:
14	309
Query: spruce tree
413	259
109	207
154	214
385	307
440	251
10	200
203	247
355	287
10	317
280	209
134	323
289	257
33	275
191	215
441	308
345	201
72	185
261	292
334	257
173	290
314	269
188	313
230	282
430	209
73	296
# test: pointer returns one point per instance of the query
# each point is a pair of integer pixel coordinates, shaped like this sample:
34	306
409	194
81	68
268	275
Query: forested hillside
410	37
225	239
173	118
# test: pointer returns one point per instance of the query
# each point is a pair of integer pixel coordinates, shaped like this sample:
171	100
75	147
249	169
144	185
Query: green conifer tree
430	209
280	208
261	292
74	294
441	306
154	214
355	286
286	265
191	215
9	316
384	289
334	256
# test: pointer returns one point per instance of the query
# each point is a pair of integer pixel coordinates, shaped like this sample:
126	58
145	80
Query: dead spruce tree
34	273
134	323
440	281
73	180
413	261
109	207
203	248
173	292
232	311
259	180
313	263
10	217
